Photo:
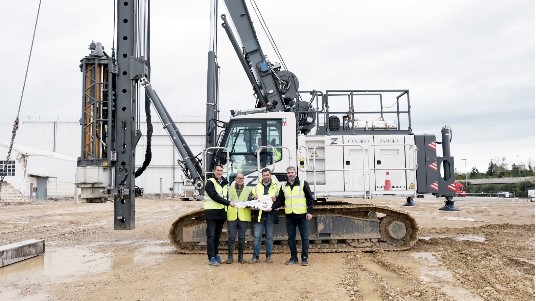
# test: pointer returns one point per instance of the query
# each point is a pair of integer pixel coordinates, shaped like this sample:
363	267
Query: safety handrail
273	159
306	156
205	172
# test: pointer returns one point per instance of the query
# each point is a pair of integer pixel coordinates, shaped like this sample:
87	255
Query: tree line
499	168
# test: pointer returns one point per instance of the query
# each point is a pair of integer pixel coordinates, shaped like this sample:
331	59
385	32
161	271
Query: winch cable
148	152
16	122
268	33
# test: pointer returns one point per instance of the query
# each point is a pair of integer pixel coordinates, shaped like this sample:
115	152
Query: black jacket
280	201
210	190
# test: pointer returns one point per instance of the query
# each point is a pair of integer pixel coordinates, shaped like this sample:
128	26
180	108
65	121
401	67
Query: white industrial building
37	173
51	149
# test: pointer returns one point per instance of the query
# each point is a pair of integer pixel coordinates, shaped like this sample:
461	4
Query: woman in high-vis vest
296	196
238	218
215	206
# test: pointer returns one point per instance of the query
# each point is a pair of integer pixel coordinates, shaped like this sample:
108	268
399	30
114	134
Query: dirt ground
483	252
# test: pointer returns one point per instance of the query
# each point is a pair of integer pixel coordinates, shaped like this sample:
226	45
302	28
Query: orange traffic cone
387	185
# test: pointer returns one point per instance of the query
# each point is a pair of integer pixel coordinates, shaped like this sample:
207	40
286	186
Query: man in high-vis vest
215	212
296	196
277	151
277	154
238	218
264	221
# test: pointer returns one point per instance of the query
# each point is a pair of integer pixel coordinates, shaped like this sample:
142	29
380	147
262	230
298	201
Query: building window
7	168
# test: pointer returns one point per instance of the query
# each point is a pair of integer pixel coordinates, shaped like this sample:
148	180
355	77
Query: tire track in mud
493	262
499	268
370	278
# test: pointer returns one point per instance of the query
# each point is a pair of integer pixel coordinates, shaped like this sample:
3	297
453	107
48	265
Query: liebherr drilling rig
345	143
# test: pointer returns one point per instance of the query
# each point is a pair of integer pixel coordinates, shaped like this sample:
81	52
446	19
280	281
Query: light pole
465	161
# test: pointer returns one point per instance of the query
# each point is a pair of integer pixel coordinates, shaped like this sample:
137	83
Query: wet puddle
471	238
59	265
430	271
433	272
466	219
462	237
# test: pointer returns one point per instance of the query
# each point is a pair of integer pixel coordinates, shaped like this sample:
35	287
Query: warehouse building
49	142
36	173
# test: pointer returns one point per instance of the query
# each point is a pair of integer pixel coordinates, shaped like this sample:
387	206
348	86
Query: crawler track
336	227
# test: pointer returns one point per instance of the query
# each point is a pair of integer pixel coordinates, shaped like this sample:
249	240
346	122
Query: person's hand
273	198
232	204
308	216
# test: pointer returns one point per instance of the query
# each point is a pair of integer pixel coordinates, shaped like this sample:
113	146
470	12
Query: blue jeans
266	224
301	223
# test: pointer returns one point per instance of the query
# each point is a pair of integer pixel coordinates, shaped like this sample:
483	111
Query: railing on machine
272	164
364	110
215	149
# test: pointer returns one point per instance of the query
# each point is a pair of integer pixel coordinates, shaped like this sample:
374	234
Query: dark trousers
237	227
301	223
214	228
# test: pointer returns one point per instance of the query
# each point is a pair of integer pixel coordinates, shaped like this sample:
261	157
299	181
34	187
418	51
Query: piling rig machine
345	143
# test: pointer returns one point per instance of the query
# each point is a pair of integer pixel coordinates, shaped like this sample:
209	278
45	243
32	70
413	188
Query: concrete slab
19	251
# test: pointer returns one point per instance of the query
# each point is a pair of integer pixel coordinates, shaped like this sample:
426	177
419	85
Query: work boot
230	250
241	252
269	259
255	259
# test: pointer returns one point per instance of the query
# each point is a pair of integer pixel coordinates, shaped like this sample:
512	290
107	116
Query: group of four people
220	205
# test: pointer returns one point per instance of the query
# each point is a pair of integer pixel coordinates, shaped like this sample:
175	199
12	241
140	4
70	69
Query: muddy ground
484	252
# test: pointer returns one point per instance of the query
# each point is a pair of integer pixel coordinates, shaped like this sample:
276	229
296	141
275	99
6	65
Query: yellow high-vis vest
277	155
243	214
272	191
295	201
210	203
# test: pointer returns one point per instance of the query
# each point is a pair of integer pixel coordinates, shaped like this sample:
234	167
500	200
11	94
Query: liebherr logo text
357	141
389	140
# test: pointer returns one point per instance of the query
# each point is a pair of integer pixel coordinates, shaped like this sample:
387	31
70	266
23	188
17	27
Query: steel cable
3	171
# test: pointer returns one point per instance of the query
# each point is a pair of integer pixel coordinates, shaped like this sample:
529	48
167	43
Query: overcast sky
467	64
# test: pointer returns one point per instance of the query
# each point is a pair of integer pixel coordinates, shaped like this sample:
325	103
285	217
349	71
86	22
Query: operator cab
257	141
